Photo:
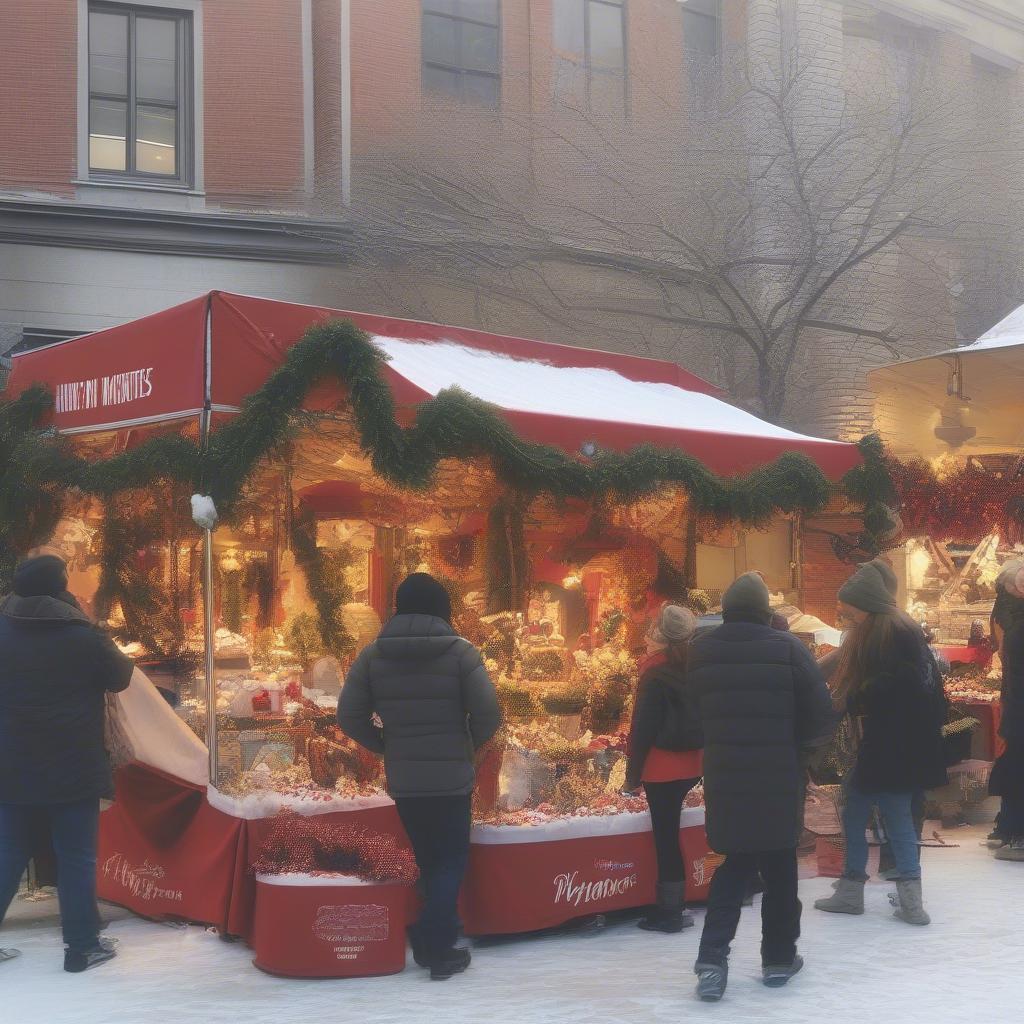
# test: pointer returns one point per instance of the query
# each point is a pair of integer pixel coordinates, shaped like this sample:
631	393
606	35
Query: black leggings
665	799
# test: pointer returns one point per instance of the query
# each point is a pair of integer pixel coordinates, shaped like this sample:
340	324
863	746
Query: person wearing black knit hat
430	691
56	668
761	702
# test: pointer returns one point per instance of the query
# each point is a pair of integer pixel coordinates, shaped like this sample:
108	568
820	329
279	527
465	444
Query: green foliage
568	700
37	467
871	485
232	599
542	666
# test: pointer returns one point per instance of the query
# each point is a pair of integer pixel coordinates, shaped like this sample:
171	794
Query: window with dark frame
702	28
140	70
462	50
590	55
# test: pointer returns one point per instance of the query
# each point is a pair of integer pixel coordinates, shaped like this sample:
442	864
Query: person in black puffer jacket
887	680
56	668
762	702
665	743
437	707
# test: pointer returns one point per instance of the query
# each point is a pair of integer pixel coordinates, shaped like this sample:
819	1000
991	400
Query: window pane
483	90
480	10
155	136
569	34
479	47
155	59
700	34
441	6
107	146
606	48
571	83
607	94
441	81
108	53
440	40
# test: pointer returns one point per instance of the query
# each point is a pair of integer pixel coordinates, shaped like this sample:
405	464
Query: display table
524	878
169	849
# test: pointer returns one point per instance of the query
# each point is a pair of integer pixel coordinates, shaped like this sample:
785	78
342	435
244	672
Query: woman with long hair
887	682
665	743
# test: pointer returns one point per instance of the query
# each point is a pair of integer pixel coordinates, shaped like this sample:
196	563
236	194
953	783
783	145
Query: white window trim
196	187
308	126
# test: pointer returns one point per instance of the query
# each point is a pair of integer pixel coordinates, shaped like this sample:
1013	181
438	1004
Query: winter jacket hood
416	638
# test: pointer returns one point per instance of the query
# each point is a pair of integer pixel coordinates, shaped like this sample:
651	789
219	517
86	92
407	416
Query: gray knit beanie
892	584
674	625
748	596
867	590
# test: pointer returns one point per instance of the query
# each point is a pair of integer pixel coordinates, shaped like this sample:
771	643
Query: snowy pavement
968	965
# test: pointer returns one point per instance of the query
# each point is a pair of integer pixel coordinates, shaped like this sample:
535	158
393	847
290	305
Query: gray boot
847	899
909	902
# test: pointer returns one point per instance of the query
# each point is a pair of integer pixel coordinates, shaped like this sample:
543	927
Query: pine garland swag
37	466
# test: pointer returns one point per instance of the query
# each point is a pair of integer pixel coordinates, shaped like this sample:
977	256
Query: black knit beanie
42	576
421	594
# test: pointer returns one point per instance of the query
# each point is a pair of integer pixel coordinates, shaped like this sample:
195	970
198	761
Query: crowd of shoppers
742	706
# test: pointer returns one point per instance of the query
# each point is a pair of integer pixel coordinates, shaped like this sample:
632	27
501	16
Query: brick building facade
279	115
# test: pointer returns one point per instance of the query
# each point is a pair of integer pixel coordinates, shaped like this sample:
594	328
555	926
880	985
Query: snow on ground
968	965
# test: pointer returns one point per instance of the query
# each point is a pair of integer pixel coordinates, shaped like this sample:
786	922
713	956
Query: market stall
240	484
954	455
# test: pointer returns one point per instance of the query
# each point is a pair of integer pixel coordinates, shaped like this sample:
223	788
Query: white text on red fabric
100	392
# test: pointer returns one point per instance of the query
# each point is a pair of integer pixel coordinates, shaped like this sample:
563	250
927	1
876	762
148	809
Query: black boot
668	914
449	963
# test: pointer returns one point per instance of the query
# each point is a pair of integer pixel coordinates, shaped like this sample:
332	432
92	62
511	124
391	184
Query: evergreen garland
871	485
37	467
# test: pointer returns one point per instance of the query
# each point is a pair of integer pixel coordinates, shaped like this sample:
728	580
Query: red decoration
965	505
261	701
309	845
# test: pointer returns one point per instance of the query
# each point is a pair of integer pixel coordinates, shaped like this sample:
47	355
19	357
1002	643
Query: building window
590	55
462	50
702	28
139	84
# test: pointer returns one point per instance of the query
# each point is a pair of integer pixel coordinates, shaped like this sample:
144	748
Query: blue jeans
898	818
74	828
438	829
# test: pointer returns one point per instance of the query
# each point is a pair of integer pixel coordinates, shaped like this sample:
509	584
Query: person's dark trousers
438	828
1010	820
74	828
665	800
780	907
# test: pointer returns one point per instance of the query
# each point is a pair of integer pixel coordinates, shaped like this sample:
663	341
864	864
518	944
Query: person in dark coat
1007	779
762	702
664	756
55	669
437	707
888	682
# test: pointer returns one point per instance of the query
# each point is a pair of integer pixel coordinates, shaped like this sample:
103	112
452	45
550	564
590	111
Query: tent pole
205	424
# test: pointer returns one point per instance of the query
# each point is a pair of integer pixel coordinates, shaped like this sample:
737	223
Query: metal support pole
208	643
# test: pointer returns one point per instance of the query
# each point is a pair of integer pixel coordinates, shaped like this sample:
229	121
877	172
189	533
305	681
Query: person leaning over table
437	707
56	668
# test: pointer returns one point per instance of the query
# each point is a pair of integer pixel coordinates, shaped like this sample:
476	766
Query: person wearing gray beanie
747	599
888	574
664	757
868	591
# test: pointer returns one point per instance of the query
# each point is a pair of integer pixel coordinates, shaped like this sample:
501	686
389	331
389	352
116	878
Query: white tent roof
590	393
911	395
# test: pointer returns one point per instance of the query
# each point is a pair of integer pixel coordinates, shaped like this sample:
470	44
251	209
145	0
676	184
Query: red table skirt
165	852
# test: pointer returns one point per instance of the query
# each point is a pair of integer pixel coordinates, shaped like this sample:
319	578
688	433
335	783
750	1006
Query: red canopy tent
210	352
200	360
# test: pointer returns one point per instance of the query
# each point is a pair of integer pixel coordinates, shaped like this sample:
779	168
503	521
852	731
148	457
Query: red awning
224	347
